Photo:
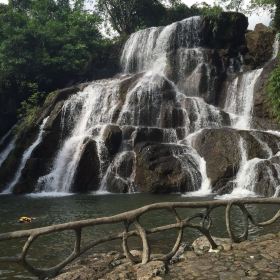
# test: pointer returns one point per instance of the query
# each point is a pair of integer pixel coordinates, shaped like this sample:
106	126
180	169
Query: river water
49	250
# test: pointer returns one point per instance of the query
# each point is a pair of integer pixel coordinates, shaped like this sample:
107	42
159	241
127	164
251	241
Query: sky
261	16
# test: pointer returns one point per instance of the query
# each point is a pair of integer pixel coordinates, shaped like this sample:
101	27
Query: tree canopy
128	16
45	45
46	42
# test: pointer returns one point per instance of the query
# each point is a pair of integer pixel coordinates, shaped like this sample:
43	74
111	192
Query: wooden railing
201	221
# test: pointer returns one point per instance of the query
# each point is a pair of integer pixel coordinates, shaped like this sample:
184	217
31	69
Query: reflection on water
54	210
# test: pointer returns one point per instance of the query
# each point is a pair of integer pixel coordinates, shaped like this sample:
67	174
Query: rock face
226	31
262	115
201	71
112	137
119	178
265	171
223	150
260	44
87	177
43	155
8	107
163	168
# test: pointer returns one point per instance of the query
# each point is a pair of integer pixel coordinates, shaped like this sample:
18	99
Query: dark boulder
165	168
87	176
34	168
127	83
260	44
224	31
267	177
220	149
119	177
197	72
112	137
148	134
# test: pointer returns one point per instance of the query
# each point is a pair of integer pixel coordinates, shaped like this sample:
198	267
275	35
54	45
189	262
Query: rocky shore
255	259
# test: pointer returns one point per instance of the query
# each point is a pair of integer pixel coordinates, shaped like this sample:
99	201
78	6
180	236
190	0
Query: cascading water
144	48
7	144
239	103
165	96
5	153
25	157
88	110
276	46
240	96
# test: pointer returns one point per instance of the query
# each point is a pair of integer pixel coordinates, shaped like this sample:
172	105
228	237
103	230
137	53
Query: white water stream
25	157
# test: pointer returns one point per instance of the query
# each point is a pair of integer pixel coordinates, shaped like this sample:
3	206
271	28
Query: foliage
128	16
272	5
273	89
45	45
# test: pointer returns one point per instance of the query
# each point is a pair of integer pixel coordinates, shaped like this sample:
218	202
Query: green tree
273	5
127	16
45	45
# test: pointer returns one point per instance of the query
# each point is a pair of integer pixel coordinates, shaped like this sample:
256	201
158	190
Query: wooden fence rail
201	221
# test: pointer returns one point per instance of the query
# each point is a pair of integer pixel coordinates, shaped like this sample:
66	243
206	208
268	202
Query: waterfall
89	109
276	46
120	173
7	150
7	144
240	98
247	176
6	136
25	157
166	95
147	51
144	48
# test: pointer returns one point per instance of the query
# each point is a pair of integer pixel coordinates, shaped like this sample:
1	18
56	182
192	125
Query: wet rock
225	31
222	152
32	170
43	155
118	178
260	43
112	137
126	84
262	115
164	168
154	108
266	177
87	177
148	135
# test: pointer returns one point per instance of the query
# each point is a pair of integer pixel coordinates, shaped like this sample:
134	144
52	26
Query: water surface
48	251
